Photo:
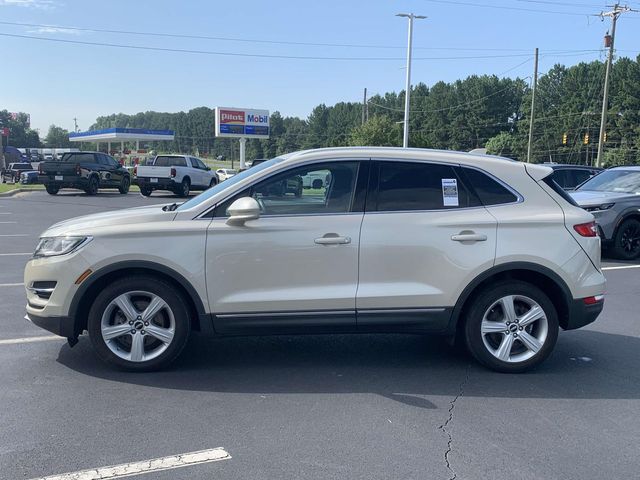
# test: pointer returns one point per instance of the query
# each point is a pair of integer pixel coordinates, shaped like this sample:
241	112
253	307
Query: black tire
145	191
92	188
626	241
485	302
146	283
124	185
185	188
316	184
299	191
52	189
213	183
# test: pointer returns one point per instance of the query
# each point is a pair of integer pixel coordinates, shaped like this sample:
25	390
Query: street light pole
407	92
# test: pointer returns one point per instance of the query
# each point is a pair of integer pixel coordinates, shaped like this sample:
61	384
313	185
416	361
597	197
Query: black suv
86	171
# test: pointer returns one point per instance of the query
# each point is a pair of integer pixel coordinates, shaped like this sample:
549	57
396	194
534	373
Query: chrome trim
286	314
402	310
38	291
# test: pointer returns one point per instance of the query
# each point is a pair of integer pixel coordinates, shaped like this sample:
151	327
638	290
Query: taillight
586	229
593	300
78	169
173	172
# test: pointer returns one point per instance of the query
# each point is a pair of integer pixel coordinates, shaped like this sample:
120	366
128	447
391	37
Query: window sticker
450	192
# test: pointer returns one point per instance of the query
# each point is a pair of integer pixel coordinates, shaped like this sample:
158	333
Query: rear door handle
469	237
332	239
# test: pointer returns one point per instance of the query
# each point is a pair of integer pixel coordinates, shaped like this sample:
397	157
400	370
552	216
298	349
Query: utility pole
407	93
364	107
613	14
533	105
75	122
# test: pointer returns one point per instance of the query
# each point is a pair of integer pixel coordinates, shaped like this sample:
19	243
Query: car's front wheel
124	185
511	327
139	323
626	243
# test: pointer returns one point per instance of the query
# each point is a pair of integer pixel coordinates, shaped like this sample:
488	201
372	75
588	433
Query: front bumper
63	326
581	314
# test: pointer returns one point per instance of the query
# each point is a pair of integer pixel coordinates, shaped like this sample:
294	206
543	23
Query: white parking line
620	267
15	235
145	466
15	341
8	222
6	213
11	284
14	254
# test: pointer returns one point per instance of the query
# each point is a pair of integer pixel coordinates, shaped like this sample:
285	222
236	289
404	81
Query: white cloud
40	4
67	31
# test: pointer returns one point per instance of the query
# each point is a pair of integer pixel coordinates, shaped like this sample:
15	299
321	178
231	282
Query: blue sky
55	82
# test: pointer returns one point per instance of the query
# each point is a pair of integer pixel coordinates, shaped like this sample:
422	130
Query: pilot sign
242	122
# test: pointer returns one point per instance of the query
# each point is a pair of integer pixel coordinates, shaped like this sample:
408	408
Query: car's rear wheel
139	323
511	327
92	188
52	189
626	243
213	183
185	188
145	191
124	185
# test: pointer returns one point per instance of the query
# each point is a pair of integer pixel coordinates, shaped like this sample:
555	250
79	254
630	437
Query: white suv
486	250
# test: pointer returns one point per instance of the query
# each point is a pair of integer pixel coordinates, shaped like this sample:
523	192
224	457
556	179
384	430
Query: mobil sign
242	122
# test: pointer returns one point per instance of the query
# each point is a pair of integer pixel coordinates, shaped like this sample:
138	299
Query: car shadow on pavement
585	365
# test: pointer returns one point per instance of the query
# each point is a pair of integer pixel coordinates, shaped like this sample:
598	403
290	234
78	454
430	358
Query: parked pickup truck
86	171
13	171
177	173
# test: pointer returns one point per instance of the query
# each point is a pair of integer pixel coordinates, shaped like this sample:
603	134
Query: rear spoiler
538	172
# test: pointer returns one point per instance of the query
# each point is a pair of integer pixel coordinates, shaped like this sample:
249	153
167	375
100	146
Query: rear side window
79	158
164	161
406	186
550	181
490	191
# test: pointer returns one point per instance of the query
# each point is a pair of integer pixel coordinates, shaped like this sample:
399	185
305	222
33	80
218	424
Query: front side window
622	181
407	186
313	189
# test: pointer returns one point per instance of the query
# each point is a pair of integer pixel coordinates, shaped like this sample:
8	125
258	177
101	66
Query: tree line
476	112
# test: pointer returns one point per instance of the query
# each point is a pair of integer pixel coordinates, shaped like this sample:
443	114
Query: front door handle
469	236
332	239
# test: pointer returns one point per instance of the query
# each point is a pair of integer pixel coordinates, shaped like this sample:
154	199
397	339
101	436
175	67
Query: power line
502	7
251	55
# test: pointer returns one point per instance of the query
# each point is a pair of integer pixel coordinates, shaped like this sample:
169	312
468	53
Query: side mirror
208	169
243	210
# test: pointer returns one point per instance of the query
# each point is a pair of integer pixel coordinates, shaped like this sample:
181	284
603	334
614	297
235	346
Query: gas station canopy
121	134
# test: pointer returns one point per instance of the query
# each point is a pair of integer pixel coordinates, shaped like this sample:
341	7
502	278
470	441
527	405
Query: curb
11	193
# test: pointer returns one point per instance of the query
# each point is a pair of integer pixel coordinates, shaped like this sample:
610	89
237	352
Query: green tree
57	137
379	131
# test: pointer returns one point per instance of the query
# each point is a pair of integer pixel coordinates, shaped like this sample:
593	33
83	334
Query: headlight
53	246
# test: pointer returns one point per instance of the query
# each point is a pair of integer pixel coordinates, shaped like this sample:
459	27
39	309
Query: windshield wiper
170	208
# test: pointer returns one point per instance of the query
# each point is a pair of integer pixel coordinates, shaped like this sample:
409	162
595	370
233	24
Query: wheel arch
544	278
82	300
631	214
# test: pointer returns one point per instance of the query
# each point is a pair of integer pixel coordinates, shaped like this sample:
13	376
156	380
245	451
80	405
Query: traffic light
564	138
586	139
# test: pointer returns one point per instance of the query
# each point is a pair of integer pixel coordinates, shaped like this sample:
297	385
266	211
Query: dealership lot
387	406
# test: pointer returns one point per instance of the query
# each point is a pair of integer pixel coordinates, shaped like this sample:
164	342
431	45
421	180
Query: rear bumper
161	184
63	326
67	181
581	314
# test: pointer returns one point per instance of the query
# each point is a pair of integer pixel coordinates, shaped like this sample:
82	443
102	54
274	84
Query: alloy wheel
514	328
138	326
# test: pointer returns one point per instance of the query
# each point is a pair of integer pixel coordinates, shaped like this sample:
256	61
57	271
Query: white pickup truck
177	173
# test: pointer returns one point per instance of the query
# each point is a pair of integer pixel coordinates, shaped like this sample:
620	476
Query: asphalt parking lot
386	406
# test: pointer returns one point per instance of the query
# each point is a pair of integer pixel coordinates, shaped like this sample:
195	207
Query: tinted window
490	191
313	189
564	178
550	180
420	186
79	158
165	161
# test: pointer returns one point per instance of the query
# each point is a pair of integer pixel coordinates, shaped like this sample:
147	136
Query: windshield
623	181
206	195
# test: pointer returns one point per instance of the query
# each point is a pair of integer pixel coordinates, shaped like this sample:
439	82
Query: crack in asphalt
452	405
